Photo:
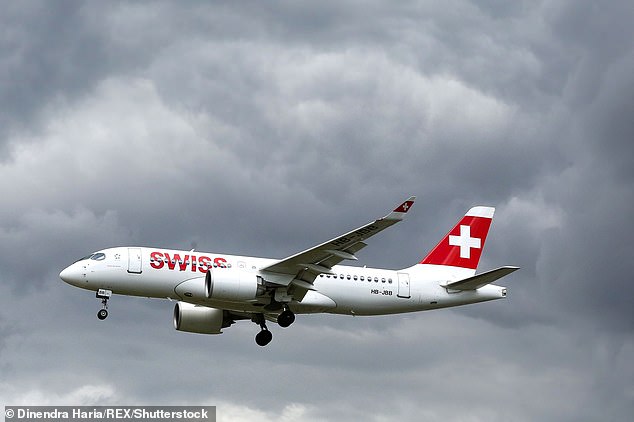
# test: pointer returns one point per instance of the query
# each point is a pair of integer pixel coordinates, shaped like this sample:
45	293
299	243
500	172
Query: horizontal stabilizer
477	281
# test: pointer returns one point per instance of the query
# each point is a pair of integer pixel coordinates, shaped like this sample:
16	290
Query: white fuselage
180	275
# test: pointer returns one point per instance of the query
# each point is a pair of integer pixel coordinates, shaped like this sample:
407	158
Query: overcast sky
263	128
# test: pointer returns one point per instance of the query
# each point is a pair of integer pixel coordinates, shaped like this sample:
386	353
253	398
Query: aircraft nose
71	275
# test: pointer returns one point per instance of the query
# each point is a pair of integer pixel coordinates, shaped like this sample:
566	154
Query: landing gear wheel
104	295
286	318
264	337
102	314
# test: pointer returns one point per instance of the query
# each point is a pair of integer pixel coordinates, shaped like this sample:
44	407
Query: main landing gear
286	318
264	337
104	295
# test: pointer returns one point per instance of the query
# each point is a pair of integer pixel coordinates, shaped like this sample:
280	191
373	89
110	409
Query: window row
360	278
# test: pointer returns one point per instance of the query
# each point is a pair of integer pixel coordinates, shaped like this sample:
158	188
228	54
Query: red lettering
204	263
156	260
182	263
171	263
201	263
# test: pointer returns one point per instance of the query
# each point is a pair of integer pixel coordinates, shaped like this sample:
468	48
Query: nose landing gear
104	295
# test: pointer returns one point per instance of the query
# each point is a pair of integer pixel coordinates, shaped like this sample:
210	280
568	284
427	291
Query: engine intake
232	286
199	319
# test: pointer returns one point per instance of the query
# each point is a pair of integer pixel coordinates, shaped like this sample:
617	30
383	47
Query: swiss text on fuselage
186	262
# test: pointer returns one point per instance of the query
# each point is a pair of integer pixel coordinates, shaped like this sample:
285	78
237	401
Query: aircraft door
134	260
403	285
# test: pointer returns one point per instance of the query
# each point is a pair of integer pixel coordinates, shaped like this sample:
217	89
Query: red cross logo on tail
465	241
462	246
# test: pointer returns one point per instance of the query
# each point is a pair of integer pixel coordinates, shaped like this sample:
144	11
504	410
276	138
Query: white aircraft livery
213	291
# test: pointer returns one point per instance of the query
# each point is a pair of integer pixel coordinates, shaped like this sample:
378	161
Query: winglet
400	211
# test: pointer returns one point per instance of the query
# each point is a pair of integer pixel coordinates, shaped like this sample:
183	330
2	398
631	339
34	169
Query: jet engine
199	319
232	286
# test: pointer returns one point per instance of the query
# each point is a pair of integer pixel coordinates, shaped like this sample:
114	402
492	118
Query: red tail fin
463	245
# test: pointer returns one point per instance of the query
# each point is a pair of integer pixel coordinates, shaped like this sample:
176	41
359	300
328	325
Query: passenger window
383	280
341	276
348	276
389	280
355	277
376	279
362	278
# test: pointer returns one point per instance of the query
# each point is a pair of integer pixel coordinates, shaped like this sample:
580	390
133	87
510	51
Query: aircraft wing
307	265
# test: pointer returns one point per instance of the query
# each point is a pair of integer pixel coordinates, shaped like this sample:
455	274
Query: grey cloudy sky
262	128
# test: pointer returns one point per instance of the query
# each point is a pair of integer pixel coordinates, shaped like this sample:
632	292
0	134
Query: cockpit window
85	258
97	256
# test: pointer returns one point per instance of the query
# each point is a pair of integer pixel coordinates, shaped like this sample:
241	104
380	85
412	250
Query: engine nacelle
198	319
231	285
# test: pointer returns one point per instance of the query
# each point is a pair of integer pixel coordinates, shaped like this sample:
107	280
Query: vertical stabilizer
463	245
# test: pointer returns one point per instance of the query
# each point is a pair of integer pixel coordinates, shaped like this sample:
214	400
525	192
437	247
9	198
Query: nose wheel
104	295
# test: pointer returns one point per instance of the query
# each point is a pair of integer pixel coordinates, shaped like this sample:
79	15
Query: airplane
213	291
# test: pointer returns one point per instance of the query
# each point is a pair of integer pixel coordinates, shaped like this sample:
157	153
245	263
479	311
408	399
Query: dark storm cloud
264	128
22	259
47	51
587	256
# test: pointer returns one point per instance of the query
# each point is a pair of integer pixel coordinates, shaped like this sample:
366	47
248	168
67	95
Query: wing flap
336	256
479	280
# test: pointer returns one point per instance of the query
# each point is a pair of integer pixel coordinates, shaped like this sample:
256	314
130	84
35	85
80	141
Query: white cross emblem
465	241
405	206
